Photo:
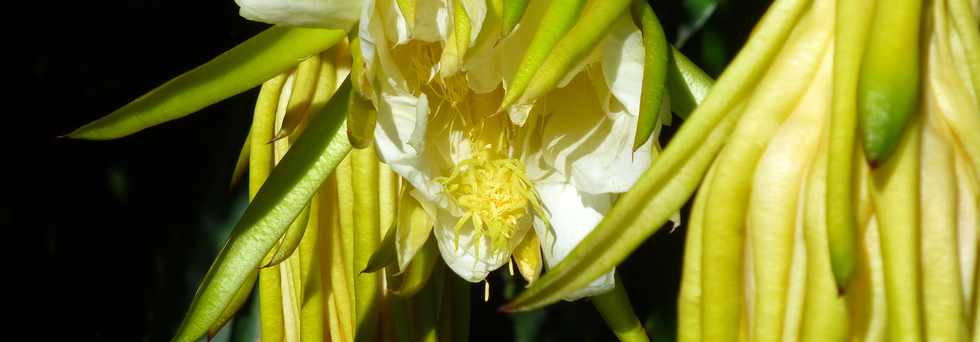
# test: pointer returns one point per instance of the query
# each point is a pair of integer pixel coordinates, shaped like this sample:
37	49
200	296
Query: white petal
581	65
431	20
485	56
396	28
364	35
484	63
462	257
453	55
590	147
518	113
476	10
609	104
622	64
417	140
390	72
342	64
448	142
536	167
398	123
414	227
450	61
573	216
334	14
483	74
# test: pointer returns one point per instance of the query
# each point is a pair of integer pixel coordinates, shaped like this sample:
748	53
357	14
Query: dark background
126	228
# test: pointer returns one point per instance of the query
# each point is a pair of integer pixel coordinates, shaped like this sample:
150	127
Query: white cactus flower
437	70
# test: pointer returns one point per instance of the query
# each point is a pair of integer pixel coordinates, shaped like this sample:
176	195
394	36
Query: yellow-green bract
247	65
654	71
888	87
852	22
558	19
287	191
666	186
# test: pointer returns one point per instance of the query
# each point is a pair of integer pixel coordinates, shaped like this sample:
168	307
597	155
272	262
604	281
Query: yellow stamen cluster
489	188
493	193
422	58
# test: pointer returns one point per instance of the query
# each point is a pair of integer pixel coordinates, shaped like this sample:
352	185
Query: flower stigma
493	193
488	186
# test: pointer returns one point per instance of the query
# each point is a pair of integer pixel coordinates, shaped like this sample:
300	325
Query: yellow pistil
490	188
493	193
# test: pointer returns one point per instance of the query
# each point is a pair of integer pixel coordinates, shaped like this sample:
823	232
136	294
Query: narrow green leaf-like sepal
574	46
513	12
654	71
669	182
852	23
385	254
418	272
242	295
560	17
241	164
361	119
289	241
245	66
888	87
687	85
289	188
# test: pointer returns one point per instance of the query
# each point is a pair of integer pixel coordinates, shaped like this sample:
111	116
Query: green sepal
573	47
558	19
242	295
384	256
698	12
852	23
245	66
687	84
656	52
664	188
287	191
361	119
289	241
241	164
888	87
512	14
416	275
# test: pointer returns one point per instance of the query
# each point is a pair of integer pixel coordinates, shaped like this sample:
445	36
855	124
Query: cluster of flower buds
843	203
835	163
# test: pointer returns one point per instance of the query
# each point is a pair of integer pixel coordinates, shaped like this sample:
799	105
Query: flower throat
489	187
493	193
